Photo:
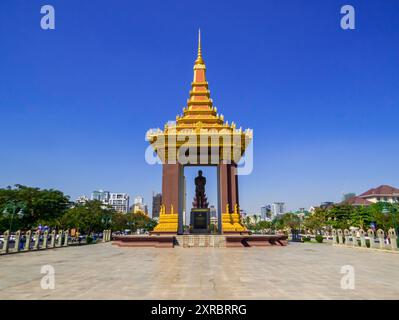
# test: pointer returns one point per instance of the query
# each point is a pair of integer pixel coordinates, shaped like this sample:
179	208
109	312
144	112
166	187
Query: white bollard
340	238
362	238
66	234
334	235
59	238
393	239
347	238
52	241
370	233
17	240
36	239
45	236
6	242
354	238
28	235
381	238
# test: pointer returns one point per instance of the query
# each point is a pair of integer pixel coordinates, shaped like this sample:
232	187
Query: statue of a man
200	183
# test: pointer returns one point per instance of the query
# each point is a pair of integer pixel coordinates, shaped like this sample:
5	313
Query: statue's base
200	220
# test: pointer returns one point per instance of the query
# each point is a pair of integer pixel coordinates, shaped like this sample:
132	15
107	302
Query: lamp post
387	211
106	220
11	210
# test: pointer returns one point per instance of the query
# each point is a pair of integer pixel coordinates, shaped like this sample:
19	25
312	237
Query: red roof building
382	193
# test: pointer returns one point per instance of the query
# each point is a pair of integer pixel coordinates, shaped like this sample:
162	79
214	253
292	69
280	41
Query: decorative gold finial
199	56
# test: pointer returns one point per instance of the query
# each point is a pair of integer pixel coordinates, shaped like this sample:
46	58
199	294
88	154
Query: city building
213	212
139	205
277	208
347	196
326	204
156	205
302	213
357	201
266	212
101	195
82	200
382	193
119	202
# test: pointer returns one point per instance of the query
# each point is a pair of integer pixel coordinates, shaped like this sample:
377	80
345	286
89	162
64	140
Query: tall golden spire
199	56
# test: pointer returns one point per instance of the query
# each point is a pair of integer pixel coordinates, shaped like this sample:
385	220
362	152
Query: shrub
306	239
319	238
89	240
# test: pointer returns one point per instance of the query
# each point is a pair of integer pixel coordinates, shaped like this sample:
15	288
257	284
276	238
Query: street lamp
387	211
11	210
106	220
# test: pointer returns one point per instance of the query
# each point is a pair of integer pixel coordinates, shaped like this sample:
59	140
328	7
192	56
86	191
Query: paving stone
297	271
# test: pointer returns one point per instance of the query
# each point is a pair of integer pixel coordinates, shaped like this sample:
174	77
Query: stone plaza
297	271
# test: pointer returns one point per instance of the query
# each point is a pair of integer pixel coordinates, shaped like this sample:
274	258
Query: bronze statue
200	200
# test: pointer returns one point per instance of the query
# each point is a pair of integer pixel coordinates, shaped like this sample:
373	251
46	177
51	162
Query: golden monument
200	136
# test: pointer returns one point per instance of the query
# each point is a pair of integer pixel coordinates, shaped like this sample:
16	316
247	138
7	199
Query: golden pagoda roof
200	116
199	105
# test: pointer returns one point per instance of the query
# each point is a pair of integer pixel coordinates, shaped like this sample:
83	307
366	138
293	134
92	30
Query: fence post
370	233
66	234
45	236
28	235
340	238
393	239
59	238
334	234
362	239
380	234
17	240
354	238
52	241
6	236
36	243
347	239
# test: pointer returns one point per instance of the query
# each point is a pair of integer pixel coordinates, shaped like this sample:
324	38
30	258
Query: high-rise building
138	200
119	202
213	212
82	200
139	205
266	212
100	195
156	205
277	208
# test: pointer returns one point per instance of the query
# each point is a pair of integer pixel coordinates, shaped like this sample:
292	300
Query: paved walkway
298	271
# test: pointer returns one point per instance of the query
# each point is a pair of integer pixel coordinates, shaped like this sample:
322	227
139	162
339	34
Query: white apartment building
277	208
119	201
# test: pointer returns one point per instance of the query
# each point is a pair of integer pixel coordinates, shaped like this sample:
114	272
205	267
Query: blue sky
76	102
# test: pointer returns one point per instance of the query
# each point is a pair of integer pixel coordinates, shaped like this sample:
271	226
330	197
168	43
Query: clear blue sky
76	102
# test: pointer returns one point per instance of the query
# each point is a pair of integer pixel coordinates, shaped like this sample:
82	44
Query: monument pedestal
200	220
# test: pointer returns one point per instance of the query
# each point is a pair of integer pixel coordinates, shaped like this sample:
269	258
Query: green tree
40	206
316	221
91	216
